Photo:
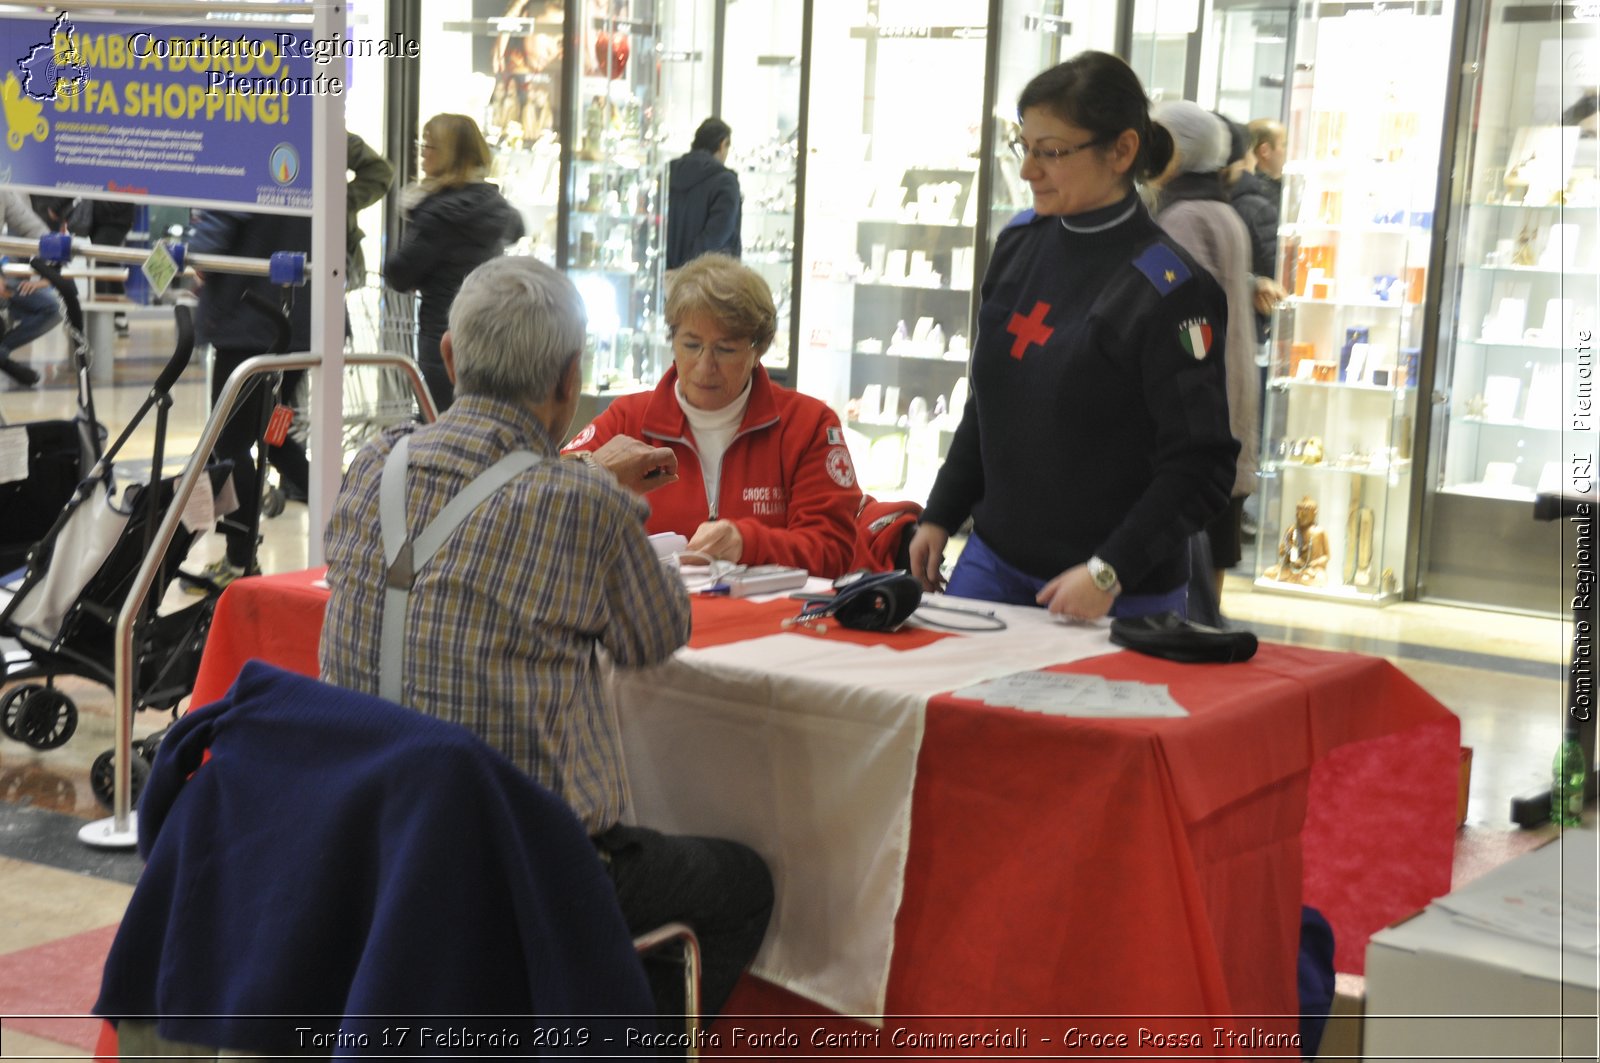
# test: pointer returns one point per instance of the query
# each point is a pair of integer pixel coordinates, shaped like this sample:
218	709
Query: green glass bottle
1569	773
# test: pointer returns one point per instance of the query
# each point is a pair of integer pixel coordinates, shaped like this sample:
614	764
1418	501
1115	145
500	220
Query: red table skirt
1188	850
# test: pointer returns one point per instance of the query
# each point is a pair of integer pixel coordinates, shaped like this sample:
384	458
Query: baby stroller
60	453
63	610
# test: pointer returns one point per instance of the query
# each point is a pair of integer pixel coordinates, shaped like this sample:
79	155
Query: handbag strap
404	557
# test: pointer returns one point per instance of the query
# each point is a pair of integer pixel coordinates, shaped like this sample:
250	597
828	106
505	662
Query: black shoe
272	502
23	375
294	492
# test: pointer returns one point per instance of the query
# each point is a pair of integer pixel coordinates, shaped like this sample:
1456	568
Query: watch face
1102	574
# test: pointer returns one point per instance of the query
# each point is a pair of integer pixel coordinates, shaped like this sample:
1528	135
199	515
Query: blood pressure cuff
1173	638
880	602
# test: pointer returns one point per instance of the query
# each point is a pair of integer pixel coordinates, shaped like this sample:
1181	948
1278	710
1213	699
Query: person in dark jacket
456	222
237	331
703	200
1255	194
370	177
1096	439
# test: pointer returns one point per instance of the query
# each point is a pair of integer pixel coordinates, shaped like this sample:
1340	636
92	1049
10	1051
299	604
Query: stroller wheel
11	709
47	719
103	777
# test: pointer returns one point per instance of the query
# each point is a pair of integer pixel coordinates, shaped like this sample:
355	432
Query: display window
1514	361
891	209
759	93
1366	110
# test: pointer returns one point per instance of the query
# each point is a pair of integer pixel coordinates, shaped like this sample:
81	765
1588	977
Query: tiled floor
1500	673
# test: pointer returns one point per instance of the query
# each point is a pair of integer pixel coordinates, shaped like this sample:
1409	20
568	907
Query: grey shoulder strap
404	557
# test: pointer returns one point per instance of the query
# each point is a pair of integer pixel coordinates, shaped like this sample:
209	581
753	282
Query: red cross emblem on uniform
1029	330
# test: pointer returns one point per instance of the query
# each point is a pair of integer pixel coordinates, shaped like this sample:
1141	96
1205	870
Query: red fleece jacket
787	479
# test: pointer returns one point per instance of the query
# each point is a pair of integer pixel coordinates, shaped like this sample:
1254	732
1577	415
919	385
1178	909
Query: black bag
876	602
1170	636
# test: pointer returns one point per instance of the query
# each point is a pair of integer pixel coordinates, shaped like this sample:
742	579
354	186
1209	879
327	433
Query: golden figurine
1303	554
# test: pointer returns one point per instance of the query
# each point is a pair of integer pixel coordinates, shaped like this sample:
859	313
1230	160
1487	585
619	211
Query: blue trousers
34	314
722	889
981	573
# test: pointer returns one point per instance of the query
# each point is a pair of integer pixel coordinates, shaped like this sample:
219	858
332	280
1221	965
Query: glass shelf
1363	304
1338	385
1521	426
1323	468
1338	227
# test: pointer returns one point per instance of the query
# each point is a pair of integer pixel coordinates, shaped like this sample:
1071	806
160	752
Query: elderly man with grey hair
502	623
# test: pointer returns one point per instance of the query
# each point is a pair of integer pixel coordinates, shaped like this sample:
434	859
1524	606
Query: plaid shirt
504	623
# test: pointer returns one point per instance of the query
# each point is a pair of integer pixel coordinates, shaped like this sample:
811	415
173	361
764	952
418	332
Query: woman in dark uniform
1096	438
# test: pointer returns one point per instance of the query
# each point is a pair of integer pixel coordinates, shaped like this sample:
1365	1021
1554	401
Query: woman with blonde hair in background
455	221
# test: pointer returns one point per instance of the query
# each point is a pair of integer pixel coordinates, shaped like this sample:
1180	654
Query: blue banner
205	114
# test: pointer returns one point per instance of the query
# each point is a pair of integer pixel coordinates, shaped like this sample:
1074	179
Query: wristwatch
1104	576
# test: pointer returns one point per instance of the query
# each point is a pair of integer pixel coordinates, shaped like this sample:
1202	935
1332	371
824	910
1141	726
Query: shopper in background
764	476
1096	437
1193	208
368	180
506	620
456	220
28	308
238	331
1257	195
704	205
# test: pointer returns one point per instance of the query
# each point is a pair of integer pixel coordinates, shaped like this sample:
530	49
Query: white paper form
1066	694
13	454
1555	908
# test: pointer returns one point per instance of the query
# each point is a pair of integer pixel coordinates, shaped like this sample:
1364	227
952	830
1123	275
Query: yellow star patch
1171	276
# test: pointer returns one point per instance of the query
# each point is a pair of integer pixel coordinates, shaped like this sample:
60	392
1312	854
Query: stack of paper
1063	694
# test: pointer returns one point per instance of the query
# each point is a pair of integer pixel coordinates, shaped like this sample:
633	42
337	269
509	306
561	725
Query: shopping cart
382	321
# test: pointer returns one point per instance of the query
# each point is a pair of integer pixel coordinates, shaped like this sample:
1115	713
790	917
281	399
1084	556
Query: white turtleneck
713	431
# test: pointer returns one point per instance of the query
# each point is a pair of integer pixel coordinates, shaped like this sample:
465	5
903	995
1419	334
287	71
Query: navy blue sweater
345	858
1098	417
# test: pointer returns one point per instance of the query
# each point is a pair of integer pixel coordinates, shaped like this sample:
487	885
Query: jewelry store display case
582	103
891	207
1366	107
1033	36
759	97
500	63
1524	232
643	86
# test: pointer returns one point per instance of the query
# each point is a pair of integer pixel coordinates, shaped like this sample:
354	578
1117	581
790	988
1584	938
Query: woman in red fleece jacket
764	476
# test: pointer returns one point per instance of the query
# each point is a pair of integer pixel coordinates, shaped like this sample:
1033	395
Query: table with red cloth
1117	870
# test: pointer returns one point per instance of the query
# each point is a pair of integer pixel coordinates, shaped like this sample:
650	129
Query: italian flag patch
1195	335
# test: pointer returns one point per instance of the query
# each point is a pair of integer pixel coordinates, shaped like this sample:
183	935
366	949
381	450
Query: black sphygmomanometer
883	601
880	601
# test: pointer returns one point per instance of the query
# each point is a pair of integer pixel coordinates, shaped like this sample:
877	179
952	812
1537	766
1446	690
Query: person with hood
1193	208
703	200
456	221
